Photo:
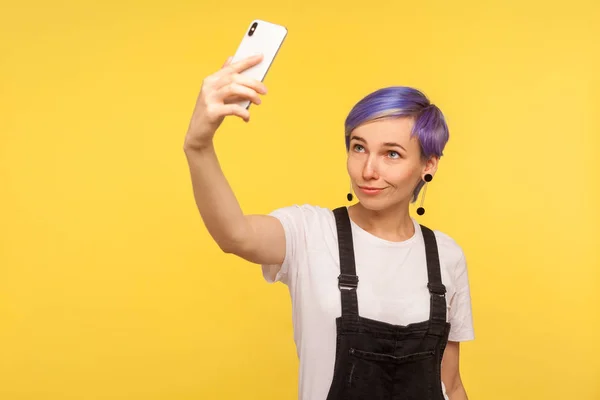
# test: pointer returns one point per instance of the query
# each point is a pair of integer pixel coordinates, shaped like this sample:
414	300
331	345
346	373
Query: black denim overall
376	360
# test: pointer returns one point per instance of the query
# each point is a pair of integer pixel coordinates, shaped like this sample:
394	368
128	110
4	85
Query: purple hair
399	101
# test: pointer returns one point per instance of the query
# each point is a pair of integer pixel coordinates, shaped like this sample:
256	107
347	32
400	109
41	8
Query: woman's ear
431	165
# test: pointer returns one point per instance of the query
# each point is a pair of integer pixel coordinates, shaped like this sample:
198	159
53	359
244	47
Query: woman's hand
218	95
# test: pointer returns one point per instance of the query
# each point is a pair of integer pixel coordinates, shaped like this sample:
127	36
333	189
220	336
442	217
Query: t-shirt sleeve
460	315
294	225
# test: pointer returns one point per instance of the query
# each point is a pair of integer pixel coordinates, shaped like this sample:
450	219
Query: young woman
380	303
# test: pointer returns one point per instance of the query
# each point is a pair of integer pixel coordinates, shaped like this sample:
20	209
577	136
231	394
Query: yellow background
111	288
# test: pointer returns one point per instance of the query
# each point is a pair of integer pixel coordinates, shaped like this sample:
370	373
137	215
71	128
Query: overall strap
347	281
437	290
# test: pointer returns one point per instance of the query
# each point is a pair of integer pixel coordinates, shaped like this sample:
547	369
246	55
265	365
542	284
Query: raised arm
257	238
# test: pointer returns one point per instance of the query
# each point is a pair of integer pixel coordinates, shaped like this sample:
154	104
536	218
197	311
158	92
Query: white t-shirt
392	286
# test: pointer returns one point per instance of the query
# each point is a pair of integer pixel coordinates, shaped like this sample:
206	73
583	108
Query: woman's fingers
235	92
238	66
240	79
245	63
227	62
222	91
231	73
234	109
253	84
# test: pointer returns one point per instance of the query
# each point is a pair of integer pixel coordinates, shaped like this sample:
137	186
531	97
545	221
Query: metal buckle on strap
437	288
347	281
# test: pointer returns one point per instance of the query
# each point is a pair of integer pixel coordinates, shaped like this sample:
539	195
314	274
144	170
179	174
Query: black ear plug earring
427	178
349	195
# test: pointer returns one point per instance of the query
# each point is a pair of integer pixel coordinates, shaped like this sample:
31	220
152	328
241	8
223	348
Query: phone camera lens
252	29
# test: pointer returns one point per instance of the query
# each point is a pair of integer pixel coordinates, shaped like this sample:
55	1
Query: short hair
430	126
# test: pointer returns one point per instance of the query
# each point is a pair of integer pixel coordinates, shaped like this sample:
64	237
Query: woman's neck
393	224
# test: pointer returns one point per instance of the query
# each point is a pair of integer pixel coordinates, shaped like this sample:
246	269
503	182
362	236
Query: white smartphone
261	37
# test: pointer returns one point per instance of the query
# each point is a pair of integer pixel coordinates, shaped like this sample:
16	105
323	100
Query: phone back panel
266	39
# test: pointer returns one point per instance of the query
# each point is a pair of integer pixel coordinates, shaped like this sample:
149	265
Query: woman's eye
394	154
358	147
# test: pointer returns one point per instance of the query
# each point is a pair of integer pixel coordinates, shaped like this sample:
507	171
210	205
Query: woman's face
385	163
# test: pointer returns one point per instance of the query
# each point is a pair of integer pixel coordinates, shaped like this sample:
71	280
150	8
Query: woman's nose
370	169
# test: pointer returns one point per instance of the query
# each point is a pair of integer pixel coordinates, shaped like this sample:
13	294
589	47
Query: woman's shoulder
307	217
313	226
450	251
304	210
